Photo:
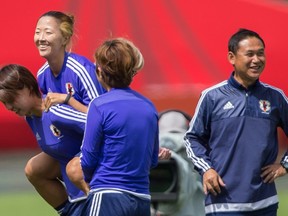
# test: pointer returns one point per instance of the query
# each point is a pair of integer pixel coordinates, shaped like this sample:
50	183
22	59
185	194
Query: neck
39	108
56	63
245	83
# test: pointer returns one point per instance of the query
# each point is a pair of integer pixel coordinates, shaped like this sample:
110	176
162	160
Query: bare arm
57	98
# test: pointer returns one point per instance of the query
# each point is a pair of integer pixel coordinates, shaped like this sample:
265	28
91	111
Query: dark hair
120	60
66	22
15	77
233	44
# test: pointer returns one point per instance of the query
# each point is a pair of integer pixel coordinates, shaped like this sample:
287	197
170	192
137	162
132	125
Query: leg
43	171
75	174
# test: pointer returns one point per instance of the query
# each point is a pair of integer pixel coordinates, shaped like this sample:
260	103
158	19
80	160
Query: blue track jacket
121	142
234	131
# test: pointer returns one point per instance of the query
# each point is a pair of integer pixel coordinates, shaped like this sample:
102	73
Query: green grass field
18	198
30	204
24	204
283	207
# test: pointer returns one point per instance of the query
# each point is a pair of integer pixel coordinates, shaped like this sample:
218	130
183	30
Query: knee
73	170
31	170
42	167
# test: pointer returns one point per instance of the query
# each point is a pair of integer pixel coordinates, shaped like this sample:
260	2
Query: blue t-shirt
59	133
77	76
121	142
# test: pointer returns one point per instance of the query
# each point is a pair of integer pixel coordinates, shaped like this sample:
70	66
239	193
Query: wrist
67	98
284	164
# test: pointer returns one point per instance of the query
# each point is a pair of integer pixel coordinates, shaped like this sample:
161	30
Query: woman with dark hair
65	78
59	132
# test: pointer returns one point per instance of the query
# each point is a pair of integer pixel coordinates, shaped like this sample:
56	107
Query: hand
212	182
164	154
54	98
271	172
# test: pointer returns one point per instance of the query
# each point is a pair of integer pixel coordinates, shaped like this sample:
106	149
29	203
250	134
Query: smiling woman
64	73
66	78
14	91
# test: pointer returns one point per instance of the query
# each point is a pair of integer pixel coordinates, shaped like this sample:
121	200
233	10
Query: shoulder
273	90
76	59
214	88
145	99
44	67
80	66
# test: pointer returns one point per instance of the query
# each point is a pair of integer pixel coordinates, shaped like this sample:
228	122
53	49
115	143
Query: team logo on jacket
265	106
69	88
56	132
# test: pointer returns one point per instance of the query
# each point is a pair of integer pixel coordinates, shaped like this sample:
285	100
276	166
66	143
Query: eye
250	54
261	53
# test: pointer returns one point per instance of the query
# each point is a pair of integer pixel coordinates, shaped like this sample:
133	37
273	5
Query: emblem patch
55	131
69	88
265	106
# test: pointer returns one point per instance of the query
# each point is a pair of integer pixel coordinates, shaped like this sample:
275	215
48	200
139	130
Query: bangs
7	96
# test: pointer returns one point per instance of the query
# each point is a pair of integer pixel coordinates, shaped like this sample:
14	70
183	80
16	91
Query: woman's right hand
53	98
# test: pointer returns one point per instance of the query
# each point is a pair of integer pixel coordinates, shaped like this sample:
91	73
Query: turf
18	198
30	204
24	204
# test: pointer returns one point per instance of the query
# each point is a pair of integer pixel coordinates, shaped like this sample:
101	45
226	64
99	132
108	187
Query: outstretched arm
57	98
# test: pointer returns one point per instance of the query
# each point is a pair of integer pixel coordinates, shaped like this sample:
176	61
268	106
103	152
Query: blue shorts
103	203
73	209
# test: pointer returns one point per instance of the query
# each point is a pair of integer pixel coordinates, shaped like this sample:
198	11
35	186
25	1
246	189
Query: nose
255	58
41	36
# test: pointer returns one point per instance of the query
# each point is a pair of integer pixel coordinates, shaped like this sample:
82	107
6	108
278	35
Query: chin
255	75
42	54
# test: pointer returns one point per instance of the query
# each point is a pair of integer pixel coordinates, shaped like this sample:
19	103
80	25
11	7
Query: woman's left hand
164	154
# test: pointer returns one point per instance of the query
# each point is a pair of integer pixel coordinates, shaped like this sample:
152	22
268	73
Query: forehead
48	22
20	95
250	43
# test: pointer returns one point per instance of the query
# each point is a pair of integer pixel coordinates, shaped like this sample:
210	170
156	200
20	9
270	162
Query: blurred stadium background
184	44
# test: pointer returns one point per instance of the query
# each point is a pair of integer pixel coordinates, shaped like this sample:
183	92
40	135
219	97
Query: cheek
8	106
56	44
263	59
24	104
36	38
242	62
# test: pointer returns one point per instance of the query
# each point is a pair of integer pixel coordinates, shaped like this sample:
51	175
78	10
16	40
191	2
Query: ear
65	41
99	72
231	57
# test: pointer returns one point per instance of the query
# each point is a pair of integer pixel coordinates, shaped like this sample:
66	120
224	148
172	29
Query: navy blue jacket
234	131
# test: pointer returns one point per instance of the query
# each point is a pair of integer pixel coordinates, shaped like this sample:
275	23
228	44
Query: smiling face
48	38
23	103
249	60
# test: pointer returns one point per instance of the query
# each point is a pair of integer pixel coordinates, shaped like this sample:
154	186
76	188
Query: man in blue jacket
232	139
